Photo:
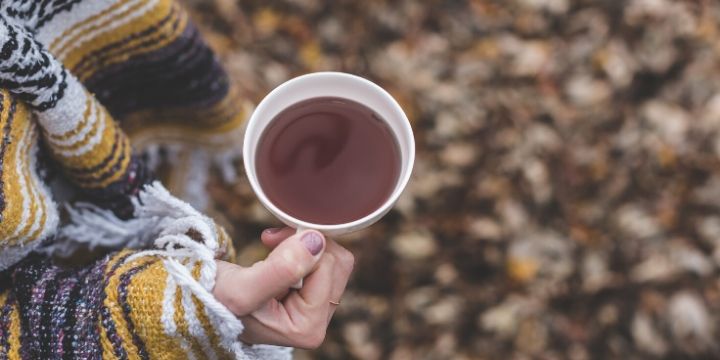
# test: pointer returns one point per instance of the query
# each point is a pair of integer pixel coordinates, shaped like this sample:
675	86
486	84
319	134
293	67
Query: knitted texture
82	84
148	66
28	213
78	66
113	309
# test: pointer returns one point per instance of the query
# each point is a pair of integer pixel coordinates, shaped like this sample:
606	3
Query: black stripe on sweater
4	145
122	298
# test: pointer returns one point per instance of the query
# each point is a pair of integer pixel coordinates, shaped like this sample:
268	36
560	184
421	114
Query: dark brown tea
327	161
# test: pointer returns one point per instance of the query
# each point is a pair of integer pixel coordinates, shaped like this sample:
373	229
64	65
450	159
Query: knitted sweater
96	89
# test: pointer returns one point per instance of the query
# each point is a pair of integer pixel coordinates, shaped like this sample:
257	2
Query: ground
565	197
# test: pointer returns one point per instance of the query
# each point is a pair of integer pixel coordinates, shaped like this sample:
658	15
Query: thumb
290	261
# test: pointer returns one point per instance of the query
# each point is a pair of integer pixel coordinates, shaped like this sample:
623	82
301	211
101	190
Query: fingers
258	331
316	290
345	261
309	309
273	236
297	321
328	282
301	319
247	289
271	325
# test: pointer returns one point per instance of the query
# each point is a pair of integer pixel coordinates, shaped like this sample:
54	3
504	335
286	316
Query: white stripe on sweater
194	326
69	110
67	19
56	43
167	318
116	23
83	132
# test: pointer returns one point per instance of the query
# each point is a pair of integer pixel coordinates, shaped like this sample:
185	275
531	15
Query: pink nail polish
313	241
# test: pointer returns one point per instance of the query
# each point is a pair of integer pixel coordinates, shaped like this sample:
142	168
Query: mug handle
298	285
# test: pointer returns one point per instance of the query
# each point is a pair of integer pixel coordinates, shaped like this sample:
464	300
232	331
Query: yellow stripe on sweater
71	35
23	155
168	33
146	292
112	302
12	213
15	330
12	338
119	155
94	121
114	35
18	186
4	337
88	52
122	157
37	200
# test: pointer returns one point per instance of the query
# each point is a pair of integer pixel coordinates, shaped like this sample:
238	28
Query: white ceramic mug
341	85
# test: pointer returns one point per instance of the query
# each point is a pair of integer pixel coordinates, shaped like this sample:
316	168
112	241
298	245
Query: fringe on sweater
100	92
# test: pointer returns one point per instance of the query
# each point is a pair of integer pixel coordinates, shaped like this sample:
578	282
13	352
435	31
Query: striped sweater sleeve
82	136
154	303
148	64
120	307
147	304
45	110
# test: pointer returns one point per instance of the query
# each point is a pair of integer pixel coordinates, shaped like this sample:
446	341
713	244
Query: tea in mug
328	160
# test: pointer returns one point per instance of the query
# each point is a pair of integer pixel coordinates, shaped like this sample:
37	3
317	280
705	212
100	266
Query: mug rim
352	225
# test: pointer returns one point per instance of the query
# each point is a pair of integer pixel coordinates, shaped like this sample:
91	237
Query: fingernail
313	241
272	231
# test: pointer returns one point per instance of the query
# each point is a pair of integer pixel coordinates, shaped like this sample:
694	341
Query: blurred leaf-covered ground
565	202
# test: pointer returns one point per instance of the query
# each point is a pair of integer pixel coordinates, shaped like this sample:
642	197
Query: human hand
260	295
